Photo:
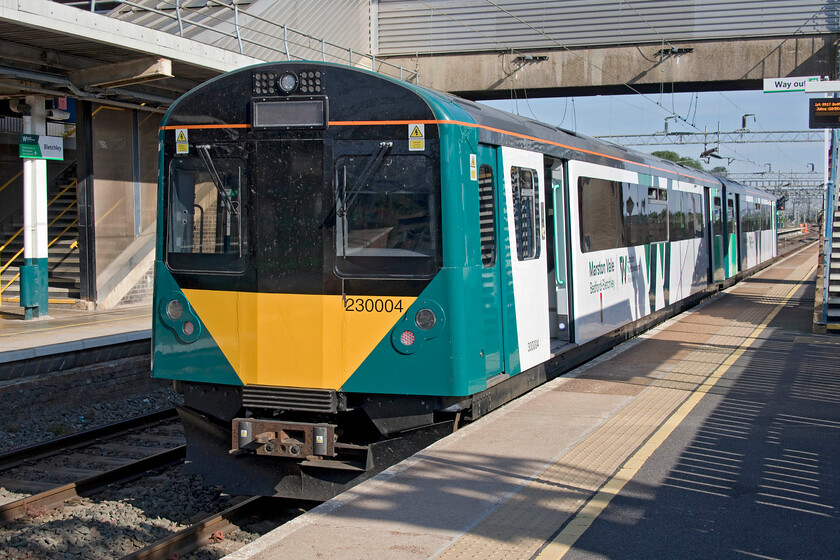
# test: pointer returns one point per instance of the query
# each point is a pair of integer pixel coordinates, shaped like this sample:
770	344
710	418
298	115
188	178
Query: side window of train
486	215
657	208
526	212
717	217
730	215
601	223
685	216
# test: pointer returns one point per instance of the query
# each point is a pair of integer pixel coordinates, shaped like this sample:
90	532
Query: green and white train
348	264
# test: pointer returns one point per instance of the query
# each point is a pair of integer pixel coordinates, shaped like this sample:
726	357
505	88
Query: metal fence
236	25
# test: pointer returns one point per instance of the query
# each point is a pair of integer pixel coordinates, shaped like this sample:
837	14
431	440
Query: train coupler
295	440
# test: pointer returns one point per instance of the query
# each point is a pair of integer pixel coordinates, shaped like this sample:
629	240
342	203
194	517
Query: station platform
714	435
69	330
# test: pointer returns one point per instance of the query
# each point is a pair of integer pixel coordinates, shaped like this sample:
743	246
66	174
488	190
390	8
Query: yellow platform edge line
56	301
563	542
85	324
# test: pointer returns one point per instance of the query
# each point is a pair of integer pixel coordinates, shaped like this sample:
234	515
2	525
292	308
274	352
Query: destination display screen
290	114
824	113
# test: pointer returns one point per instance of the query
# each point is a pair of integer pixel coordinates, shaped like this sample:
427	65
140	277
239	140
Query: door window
487	215
526	214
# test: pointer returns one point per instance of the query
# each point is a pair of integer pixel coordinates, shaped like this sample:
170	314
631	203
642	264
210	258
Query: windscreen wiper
204	152
361	181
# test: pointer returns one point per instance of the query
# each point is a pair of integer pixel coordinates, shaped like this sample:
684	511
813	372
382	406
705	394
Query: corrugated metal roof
438	26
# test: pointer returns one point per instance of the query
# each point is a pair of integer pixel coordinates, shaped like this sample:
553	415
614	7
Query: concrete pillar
34	294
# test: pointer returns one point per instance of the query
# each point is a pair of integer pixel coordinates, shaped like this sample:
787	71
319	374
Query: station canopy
58	50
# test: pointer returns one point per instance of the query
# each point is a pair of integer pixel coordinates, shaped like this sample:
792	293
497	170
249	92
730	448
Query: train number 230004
373	305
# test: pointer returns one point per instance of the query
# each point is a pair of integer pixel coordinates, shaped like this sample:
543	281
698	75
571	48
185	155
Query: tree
677	158
719	170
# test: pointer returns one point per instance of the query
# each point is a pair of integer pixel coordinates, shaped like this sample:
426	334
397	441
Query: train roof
503	128
569	144
494	126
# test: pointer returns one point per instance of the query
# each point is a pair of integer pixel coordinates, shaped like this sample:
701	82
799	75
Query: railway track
82	464
213	528
64	472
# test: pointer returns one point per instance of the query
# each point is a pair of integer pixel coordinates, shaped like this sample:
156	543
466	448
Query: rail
205	531
90	485
55	446
784	233
271	30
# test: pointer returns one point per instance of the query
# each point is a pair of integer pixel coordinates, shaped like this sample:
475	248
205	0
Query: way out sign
41	147
776	85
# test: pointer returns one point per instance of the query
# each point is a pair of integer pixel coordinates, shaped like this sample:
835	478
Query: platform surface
715	435
69	330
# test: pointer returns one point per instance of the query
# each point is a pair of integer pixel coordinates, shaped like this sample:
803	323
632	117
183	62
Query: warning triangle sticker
181	136
416	132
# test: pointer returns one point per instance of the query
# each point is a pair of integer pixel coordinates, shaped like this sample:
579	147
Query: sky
637	114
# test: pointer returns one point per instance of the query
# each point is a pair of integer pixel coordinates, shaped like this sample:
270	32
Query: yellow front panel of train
295	340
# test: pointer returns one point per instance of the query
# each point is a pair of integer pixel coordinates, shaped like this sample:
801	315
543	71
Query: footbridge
485	49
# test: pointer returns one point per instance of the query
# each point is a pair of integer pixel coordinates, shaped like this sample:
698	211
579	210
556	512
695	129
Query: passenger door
489	187
527	339
716	237
731	235
560	316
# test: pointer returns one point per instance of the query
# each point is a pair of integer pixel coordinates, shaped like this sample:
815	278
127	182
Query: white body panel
530	285
689	257
611	286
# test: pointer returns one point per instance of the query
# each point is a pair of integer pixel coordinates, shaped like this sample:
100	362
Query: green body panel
428	368
490	308
731	268
650	257
656	253
717	257
665	254
458	360
718	273
195	358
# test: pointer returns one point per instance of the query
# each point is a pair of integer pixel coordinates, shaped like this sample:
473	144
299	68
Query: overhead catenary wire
757	123
625	84
585	61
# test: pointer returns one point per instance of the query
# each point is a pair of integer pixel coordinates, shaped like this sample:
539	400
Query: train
349	266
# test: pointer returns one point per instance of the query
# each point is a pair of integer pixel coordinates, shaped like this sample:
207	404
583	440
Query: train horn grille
288	398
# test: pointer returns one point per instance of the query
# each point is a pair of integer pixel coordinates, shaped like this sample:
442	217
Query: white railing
227	19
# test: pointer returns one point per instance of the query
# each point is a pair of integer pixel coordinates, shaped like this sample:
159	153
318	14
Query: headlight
174	309
288	82
175	313
425	319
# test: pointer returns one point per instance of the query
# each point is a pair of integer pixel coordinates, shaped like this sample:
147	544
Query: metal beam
29	81
711	65
123	73
734	137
